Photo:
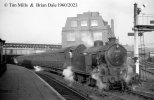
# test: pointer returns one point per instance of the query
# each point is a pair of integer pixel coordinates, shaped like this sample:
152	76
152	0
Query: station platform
19	83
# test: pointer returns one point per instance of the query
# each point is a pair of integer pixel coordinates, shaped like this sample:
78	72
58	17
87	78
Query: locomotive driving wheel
88	81
75	77
91	82
80	78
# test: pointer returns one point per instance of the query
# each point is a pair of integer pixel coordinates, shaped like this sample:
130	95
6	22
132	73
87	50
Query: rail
146	95
106	95
148	64
67	92
147	71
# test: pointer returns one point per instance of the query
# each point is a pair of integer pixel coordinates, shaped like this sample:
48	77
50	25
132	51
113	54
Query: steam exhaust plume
37	68
15	61
96	76
88	41
68	74
128	75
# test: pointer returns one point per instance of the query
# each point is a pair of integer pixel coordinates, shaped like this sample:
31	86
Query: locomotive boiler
103	64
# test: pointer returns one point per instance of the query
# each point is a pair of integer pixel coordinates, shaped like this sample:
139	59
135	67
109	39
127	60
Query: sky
43	25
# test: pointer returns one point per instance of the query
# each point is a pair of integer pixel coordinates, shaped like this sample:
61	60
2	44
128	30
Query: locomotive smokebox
112	39
98	43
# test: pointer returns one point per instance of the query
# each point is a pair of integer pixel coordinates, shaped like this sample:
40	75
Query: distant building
146	50
85	29
130	50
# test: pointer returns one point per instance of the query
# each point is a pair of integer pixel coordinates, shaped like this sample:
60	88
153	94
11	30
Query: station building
85	29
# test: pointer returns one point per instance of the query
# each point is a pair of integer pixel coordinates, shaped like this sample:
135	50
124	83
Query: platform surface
18	83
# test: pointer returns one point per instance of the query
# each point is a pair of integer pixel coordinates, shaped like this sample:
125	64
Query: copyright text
40	5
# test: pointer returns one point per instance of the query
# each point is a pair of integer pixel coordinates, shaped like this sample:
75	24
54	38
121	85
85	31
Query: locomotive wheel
91	82
75	77
80	78
88	81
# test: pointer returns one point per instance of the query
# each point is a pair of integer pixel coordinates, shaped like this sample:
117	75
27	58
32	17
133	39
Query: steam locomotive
98	65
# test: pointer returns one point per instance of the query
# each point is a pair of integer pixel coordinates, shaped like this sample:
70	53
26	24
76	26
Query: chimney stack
112	39
112	27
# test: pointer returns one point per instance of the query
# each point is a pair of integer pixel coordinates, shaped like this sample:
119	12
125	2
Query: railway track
147	71
67	92
147	64
133	95
92	93
86	92
146	95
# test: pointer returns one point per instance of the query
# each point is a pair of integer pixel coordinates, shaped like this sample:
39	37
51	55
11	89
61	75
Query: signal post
136	44
137	29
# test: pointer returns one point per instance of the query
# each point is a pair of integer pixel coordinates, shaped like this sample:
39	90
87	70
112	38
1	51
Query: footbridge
11	50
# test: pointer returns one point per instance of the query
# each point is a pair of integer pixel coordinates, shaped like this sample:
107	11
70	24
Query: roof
96	49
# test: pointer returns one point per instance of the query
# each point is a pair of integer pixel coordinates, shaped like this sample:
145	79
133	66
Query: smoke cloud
96	75
15	61
129	70
87	40
68	74
37	68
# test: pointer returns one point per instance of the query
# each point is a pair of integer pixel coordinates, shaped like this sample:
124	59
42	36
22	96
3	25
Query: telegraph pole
136	46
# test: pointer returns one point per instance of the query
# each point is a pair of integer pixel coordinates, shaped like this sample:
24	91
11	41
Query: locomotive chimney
112	39
98	43
112	27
